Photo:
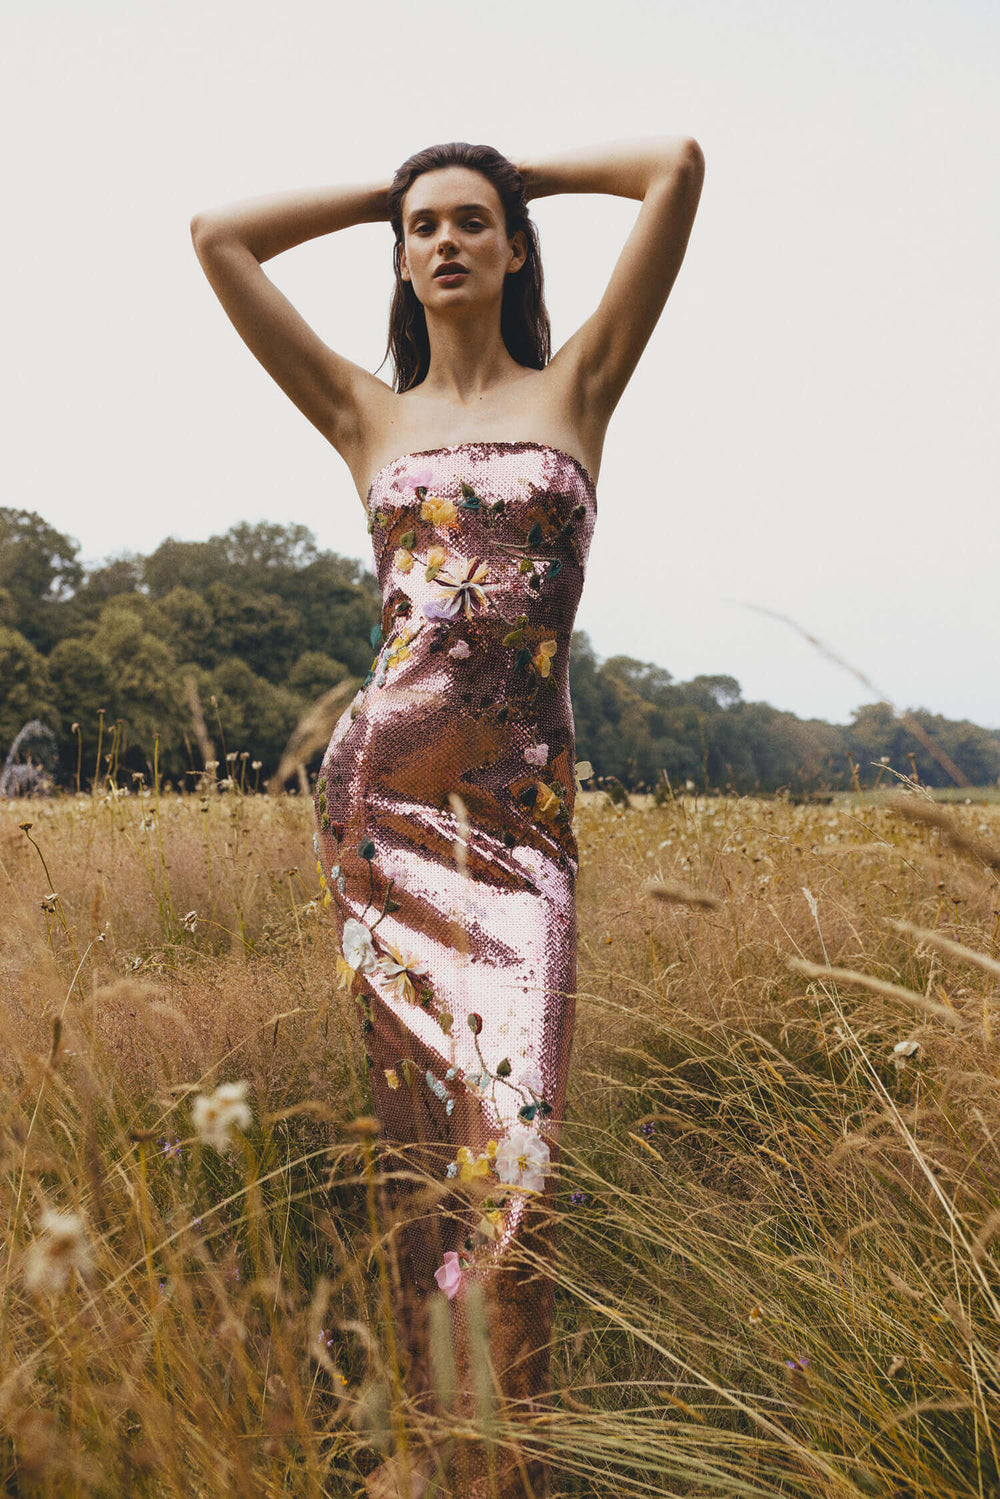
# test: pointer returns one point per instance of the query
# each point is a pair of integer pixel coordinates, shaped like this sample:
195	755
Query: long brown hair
524	320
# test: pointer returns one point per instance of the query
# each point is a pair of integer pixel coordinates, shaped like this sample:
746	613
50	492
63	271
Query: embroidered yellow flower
469	1166
440	512
404	559
345	973
546	803
437	556
392	1077
491	1224
542	659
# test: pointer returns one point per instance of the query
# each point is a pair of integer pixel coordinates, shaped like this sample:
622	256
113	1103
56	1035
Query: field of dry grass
779	1264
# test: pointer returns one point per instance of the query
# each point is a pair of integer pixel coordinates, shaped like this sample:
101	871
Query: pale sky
812	428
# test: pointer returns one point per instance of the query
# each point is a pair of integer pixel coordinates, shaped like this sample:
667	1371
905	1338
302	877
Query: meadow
779	1186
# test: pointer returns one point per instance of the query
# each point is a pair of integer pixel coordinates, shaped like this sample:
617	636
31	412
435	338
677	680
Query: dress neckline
482	442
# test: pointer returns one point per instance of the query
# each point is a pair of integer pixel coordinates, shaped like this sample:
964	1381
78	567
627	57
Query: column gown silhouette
444	807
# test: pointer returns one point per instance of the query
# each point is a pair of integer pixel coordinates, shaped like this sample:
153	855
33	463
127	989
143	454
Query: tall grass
779	1186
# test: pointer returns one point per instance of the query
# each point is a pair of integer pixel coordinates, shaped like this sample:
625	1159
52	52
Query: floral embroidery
403	559
542	659
461	651
440	512
403	972
536	754
523	1160
466	590
449	1275
359	950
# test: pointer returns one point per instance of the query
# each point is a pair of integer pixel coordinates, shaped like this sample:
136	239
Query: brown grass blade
879	986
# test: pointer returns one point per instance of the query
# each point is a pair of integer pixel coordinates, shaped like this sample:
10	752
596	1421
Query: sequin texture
444	805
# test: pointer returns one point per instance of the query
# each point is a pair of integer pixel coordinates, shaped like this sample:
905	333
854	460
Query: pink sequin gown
451	775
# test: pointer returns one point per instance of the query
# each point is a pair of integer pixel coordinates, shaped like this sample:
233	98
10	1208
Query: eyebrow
419	213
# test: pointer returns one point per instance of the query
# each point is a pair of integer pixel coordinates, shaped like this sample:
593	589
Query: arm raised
667	175
231	242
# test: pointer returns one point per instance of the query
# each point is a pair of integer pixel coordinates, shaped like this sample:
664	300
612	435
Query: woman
445	799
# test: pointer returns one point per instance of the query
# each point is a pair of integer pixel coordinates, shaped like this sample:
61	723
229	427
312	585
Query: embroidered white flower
214	1114
537	754
523	1160
460	651
359	949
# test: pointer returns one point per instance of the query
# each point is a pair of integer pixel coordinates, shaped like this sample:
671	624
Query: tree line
231	641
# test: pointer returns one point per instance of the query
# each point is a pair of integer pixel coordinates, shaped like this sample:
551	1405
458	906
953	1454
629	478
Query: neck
468	357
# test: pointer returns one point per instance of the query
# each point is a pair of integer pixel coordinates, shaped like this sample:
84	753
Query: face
454	217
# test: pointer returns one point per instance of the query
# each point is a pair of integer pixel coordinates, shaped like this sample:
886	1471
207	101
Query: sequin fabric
444	807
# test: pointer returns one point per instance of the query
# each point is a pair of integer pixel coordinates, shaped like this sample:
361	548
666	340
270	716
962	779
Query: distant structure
26	768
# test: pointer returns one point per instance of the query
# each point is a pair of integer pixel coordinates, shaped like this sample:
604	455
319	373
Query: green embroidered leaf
392	905
433	571
527	1112
526	565
421	492
468	493
554	568
407	540
504	1068
534	581
528	796
523	657
515	639
376	635
366	849
471	503
535	534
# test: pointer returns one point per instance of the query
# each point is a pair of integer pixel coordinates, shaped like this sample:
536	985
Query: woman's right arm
231	242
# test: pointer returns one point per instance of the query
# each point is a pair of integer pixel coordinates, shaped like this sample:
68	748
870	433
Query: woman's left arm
667	175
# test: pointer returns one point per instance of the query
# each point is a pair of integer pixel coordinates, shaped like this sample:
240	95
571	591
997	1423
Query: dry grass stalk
311	733
946	945
879	986
682	895
917	809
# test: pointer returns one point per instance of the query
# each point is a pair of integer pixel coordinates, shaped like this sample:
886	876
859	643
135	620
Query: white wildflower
191	921
60	1248
214	1114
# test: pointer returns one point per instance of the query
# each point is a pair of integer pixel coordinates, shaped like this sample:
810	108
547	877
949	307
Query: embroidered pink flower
449	1275
419	478
537	754
460	652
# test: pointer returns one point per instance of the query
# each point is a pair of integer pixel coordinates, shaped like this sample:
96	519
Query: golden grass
779	1234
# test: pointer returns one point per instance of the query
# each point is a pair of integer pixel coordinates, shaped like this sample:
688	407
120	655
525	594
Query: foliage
266	623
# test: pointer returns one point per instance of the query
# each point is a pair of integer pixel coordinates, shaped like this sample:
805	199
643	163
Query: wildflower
60	1248
460	651
171	1147
48	902
755	1315
359	949
578	1199
440	512
647	1129
522	1160
536	754
403	559
402	971
214	1114
542	659
449	1275
190	921
465	589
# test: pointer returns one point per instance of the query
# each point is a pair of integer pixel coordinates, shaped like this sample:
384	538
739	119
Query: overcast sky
812	429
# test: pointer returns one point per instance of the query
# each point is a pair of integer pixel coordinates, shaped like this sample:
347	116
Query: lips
452	269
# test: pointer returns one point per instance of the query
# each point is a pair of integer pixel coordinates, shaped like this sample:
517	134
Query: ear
518	252
404	269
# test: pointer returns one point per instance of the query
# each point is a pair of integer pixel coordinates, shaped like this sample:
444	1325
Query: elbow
693	159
